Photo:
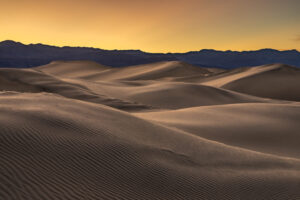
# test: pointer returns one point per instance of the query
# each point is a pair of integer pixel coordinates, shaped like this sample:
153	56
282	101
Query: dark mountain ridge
16	54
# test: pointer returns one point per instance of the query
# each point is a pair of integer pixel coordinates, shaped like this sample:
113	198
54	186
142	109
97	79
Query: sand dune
153	71
235	74
264	127
184	95
72	69
168	95
28	80
168	130
278	82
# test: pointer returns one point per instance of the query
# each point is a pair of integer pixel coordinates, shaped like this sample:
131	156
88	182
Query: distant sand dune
232	75
168	95
183	95
169	130
279	82
72	69
152	71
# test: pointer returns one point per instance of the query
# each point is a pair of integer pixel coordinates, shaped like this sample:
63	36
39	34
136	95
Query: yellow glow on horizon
154	26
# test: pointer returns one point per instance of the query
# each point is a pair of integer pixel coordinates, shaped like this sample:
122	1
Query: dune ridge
168	130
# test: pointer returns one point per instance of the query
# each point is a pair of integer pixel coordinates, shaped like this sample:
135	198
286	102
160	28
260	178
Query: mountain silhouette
16	54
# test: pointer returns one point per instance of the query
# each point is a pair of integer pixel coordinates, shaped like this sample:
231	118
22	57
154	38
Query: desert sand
167	130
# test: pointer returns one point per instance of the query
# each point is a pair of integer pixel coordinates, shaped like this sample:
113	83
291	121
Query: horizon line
228	50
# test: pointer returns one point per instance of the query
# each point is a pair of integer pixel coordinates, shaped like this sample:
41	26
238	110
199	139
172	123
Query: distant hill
233	59
16	54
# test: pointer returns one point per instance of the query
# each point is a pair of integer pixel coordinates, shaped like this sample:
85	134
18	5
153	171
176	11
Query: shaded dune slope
58	148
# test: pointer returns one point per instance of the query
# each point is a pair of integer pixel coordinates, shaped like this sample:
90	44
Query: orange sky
154	26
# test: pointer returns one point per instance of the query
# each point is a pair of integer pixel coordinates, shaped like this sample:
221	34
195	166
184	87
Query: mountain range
17	55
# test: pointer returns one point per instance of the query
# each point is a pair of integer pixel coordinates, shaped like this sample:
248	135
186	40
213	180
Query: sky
154	25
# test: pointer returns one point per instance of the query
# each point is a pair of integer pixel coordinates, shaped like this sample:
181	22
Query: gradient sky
154	25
